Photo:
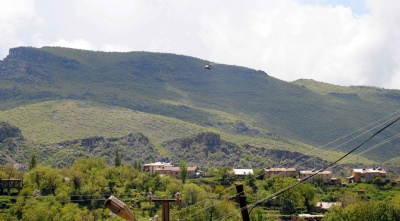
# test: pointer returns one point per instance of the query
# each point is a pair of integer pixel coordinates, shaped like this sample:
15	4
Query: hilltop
245	106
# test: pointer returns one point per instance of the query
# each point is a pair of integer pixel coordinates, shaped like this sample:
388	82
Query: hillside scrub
78	192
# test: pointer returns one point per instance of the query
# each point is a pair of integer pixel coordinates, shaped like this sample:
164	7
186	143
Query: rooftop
242	171
370	170
312	172
280	170
157	164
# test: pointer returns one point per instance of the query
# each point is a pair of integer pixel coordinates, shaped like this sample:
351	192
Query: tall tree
135	164
32	161
183	169
117	160
139	166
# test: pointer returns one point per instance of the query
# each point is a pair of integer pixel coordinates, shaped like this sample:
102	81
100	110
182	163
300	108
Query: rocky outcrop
209	148
8	131
133	147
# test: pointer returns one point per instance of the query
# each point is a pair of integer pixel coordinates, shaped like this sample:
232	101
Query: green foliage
192	194
44	178
378	180
117	160
183	170
32	161
225	174
377	211
78	192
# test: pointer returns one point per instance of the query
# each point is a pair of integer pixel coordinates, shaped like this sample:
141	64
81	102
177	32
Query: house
366	175
169	171
322	207
242	173
151	167
281	172
8	184
336	181
176	171
325	175
310	217
193	172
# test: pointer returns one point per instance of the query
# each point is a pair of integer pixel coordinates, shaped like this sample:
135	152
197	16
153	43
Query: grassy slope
60	120
178	87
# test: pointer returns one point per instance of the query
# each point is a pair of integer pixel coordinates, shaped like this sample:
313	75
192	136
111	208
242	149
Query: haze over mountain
246	106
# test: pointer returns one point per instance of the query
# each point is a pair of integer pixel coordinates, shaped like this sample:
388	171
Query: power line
390	119
331	165
269	197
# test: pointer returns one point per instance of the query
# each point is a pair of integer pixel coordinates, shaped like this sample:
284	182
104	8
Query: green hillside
60	120
244	103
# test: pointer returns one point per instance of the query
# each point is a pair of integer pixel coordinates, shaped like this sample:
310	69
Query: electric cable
228	189
291	186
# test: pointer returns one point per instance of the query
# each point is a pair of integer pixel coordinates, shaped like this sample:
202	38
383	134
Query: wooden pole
242	202
165	207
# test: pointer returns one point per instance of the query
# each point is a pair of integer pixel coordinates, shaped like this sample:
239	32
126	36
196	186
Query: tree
192	193
307	191
9	170
183	169
32	161
72	212
117	160
291	198
225	174
36	210
378	181
44	177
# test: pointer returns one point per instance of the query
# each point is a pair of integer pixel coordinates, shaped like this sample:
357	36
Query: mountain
246	106
203	149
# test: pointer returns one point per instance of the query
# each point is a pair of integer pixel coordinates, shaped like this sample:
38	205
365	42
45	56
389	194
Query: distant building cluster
325	177
281	172
367	175
167	169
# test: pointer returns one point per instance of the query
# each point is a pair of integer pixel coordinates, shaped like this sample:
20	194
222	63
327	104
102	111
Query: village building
8	184
281	172
322	207
151	167
310	217
326	176
242	173
366	175
175	172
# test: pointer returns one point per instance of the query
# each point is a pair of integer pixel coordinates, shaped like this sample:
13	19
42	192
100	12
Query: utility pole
211	211
165	205
241	198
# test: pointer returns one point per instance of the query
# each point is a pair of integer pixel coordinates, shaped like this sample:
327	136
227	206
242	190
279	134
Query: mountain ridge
178	86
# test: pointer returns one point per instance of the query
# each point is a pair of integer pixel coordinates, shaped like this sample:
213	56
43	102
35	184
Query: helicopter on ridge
208	66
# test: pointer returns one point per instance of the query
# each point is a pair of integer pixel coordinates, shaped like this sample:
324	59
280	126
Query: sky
342	42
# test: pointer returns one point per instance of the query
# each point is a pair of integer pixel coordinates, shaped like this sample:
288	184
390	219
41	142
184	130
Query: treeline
78	192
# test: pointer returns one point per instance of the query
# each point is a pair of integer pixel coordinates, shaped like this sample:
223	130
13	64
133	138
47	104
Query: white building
242	173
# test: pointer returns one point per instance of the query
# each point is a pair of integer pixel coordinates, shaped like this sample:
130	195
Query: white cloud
76	43
288	39
14	17
326	43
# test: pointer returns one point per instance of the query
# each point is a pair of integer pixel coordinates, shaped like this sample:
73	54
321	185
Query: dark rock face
8	131
133	147
208	147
